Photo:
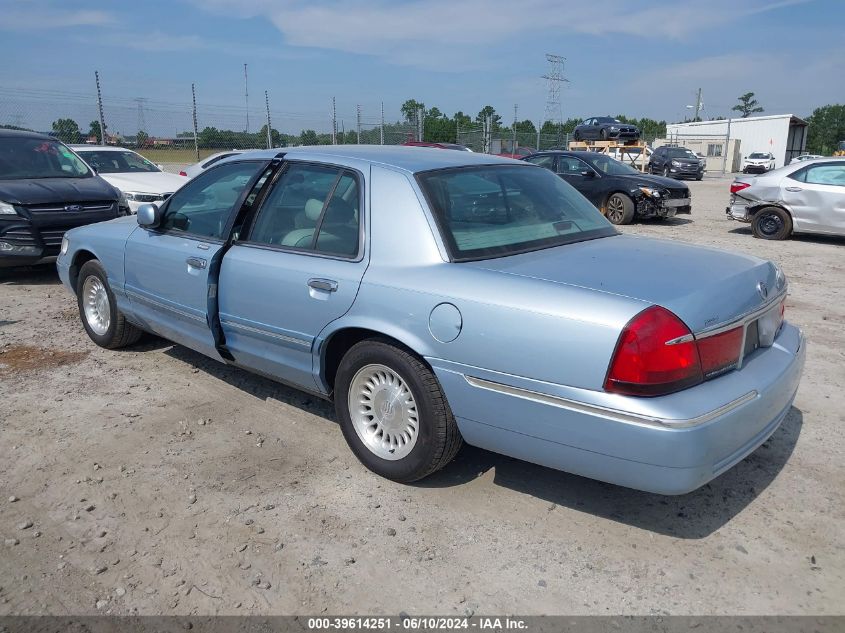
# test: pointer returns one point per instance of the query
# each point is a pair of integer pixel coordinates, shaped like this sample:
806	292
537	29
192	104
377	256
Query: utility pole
194	100
554	78
267	107
358	114
142	119
334	122
513	144
100	109
539	127
698	104
725	151
381	129
246	98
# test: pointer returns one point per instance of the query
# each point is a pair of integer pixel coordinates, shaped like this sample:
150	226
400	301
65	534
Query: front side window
117	162
24	158
495	211
202	207
311	208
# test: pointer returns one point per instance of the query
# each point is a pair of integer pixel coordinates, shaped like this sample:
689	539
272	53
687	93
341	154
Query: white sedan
140	180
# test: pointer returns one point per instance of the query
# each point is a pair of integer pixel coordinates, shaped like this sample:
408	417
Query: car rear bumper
737	212
667	445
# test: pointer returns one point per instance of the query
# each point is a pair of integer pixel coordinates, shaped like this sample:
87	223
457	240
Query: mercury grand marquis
448	297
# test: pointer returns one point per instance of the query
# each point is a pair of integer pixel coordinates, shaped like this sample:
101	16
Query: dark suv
46	189
676	162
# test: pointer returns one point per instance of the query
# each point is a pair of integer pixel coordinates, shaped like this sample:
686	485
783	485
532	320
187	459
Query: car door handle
794	189
327	285
196	262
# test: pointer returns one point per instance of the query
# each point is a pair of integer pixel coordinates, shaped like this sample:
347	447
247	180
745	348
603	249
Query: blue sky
637	58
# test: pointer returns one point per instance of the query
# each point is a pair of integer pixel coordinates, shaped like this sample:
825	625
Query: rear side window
825	175
495	211
547	161
311	208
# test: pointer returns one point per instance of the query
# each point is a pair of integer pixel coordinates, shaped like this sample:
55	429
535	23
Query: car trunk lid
703	286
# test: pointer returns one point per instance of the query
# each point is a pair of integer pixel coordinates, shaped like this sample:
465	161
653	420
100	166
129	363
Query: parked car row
286	262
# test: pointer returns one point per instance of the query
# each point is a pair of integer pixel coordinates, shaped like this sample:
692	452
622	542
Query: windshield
611	166
681	152
495	211
23	158
117	161
758	155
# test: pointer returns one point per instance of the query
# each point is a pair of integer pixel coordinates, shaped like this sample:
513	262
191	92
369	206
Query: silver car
447	297
803	197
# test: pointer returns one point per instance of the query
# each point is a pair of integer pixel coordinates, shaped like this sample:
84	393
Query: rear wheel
393	413
771	223
620	209
576	135
603	134
105	324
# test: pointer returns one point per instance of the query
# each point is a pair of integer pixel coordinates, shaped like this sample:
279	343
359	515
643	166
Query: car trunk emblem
763	289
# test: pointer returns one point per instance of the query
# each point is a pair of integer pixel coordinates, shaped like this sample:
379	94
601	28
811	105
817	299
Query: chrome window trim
606	412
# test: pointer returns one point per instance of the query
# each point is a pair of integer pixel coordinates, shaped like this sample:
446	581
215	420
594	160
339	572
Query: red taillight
738	186
649	361
720	352
182	173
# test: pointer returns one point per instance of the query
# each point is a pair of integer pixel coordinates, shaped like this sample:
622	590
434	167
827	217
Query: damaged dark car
619	191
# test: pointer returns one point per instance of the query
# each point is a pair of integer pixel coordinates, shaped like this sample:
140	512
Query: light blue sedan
448	297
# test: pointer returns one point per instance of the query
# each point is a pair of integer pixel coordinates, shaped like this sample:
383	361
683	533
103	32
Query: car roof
404	158
5	132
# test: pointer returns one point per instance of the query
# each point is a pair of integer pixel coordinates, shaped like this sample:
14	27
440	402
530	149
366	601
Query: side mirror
160	166
149	216
588	173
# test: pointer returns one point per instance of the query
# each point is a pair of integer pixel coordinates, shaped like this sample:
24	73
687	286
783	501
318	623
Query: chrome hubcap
615	209
95	303
383	411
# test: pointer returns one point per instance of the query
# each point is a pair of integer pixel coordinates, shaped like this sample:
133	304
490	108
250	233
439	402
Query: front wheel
603	134
620	209
771	223
393	413
666	172
103	322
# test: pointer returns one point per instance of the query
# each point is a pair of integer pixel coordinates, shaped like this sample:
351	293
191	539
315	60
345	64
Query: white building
784	135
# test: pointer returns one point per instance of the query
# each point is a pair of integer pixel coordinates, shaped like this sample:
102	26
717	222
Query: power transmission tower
554	78
246	98
269	128
142	119
381	129
100	109
513	144
334	122
359	123
194	113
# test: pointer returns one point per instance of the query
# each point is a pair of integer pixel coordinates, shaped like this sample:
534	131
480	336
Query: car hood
653	181
149	182
47	190
703	286
687	160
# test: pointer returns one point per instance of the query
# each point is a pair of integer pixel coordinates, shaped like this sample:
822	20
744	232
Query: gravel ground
152	480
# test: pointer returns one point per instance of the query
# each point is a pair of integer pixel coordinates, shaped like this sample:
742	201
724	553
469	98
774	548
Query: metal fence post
358	115
725	151
194	112
420	124
269	133
100	109
539	127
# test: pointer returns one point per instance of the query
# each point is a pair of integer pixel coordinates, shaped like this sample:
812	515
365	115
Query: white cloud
457	35
32	16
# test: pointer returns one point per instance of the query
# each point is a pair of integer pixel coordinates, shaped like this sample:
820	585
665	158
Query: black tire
666	173
699	177
438	438
119	332
603	134
576	135
619	209
771	223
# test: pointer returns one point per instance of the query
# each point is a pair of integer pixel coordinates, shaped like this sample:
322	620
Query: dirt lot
152	480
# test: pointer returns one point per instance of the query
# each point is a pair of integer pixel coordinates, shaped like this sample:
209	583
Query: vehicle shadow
808	238
43	275
676	221
691	516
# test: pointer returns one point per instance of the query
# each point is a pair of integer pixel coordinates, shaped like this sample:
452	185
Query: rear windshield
117	162
25	158
495	211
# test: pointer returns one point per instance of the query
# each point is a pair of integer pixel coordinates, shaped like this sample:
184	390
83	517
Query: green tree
66	130
486	111
308	137
462	120
827	128
747	105
275	137
141	139
94	130
410	109
525	127
438	128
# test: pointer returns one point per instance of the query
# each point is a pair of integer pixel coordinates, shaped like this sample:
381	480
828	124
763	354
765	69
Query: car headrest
313	207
